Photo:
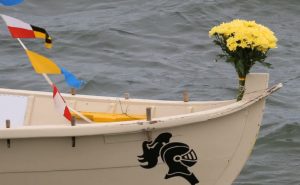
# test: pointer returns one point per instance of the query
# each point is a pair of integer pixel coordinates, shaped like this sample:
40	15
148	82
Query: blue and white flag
10	2
71	79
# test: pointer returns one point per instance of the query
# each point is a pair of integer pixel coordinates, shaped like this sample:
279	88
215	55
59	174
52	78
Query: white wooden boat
204	143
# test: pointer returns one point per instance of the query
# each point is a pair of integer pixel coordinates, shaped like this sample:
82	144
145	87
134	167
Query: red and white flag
60	103
20	29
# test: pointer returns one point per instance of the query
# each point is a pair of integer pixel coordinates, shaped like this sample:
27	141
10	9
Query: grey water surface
155	49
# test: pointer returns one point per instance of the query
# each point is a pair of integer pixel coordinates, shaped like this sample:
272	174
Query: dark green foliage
242	58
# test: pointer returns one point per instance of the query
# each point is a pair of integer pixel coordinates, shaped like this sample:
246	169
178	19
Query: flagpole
47	79
51	83
22	44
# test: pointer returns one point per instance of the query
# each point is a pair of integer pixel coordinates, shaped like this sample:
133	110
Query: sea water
157	49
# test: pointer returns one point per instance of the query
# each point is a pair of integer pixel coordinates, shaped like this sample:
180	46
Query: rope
118	99
291	79
125	113
284	82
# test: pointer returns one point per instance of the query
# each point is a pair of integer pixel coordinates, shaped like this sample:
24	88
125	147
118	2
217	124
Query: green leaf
266	64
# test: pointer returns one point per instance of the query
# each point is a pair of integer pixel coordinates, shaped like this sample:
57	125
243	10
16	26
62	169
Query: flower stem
241	88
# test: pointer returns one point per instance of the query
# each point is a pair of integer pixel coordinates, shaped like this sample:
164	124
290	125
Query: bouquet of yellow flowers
243	43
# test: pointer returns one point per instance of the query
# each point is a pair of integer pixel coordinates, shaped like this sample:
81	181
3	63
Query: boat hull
222	147
208	147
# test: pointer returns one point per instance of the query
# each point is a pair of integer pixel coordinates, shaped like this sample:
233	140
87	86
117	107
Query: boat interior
32	108
37	108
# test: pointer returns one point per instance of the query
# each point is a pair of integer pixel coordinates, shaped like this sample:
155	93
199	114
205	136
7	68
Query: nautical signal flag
60	104
20	29
10	2
71	79
41	64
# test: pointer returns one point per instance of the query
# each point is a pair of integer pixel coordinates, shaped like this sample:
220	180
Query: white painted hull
222	139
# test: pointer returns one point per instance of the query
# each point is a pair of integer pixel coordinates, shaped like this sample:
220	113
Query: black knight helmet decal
178	156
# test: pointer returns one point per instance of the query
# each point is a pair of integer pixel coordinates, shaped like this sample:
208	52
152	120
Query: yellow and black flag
42	34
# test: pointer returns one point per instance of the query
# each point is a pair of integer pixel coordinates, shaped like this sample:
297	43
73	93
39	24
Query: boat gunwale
103	98
127	127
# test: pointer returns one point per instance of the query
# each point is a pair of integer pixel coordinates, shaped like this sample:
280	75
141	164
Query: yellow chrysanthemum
245	34
240	40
